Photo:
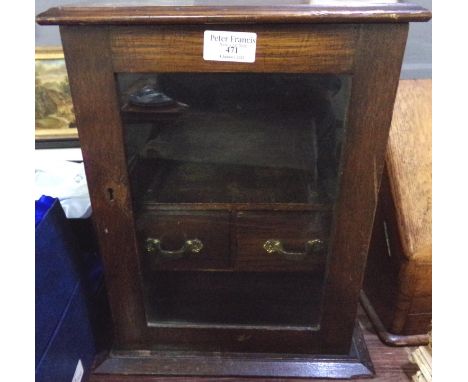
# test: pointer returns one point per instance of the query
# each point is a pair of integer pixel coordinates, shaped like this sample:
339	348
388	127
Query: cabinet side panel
93	88
377	63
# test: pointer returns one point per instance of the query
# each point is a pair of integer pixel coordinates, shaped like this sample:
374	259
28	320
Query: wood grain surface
231	12
288	48
93	90
409	164
375	82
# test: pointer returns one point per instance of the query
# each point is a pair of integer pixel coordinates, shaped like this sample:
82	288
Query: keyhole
110	194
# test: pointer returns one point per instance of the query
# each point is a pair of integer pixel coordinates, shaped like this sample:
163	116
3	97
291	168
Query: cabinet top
147	12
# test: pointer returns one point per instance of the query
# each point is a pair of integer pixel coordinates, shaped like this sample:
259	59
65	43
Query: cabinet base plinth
129	364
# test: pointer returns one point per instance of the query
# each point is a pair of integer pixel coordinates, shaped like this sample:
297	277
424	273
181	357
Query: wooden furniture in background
217	262
398	280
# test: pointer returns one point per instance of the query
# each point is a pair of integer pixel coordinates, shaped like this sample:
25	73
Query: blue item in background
64	298
43	205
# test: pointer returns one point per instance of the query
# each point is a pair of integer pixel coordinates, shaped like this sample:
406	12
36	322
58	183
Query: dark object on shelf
209	272
398	278
131	113
149	97
148	104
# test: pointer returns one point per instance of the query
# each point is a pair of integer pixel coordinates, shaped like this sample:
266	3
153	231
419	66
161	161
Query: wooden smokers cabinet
234	186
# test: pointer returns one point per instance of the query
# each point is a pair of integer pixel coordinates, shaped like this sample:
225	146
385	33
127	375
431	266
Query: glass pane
234	178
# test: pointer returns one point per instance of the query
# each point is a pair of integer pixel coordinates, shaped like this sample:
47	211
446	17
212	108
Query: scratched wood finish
391	364
231	12
93	90
398	280
352	365
375	81
291	48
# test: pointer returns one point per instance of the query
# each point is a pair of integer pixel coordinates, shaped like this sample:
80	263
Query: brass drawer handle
153	246
274	246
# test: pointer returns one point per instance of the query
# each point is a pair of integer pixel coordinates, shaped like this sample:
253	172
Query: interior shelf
189	182
234	299
234	139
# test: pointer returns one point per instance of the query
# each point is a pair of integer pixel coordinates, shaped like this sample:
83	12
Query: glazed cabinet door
234	201
234	178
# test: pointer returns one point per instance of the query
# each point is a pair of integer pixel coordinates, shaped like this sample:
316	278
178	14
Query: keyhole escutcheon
110	194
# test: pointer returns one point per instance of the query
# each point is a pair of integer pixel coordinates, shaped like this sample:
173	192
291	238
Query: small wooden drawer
185	240
281	241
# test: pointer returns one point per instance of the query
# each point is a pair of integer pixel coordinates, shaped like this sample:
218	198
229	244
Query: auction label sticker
229	46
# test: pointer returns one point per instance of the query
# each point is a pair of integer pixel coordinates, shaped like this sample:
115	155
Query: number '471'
231	49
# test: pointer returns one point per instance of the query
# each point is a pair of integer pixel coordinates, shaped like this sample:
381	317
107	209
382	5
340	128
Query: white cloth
66	181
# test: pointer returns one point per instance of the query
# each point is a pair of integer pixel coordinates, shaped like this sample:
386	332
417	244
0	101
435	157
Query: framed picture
55	118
